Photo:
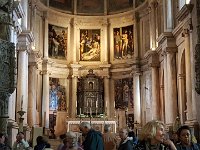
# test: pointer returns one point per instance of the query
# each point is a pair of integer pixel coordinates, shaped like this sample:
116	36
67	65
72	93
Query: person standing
93	139
109	139
20	143
3	146
126	142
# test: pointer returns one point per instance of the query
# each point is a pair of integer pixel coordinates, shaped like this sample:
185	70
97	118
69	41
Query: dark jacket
4	147
127	144
42	146
143	145
179	146
93	141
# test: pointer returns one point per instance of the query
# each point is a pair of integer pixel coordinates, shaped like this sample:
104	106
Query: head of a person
40	140
71	139
2	138
184	135
85	127
153	131
20	136
107	128
123	133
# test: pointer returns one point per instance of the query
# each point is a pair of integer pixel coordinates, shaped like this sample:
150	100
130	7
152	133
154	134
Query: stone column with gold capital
154	64
171	95
73	100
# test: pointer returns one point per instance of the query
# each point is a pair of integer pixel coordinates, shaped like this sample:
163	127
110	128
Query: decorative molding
18	9
183	13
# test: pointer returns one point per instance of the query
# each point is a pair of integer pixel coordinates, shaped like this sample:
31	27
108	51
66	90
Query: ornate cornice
153	59
185	10
24	40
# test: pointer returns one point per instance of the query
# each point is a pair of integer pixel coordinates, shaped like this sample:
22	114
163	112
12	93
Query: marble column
24	40
182	96
107	95
188	74
154	64
136	97
136	36
162	103
105	41
45	95
31	113
45	16
24	21
168	15
73	100
171	96
73	103
155	93
22	83
152	5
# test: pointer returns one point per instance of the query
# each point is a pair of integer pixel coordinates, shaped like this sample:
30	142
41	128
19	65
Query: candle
96	104
80	111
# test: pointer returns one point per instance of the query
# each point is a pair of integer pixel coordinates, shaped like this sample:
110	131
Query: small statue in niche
90	85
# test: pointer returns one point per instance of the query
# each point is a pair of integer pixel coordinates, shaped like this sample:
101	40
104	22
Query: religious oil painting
57	95
90	45
123	42
116	5
90	6
65	5
57	42
123	93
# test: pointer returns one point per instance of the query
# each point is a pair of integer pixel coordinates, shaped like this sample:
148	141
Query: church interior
117	62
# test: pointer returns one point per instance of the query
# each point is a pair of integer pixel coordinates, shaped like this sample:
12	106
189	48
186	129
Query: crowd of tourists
152	136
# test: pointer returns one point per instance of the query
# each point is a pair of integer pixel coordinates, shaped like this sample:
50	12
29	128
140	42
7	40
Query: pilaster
137	96
152	8
154	64
45	93
73	102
